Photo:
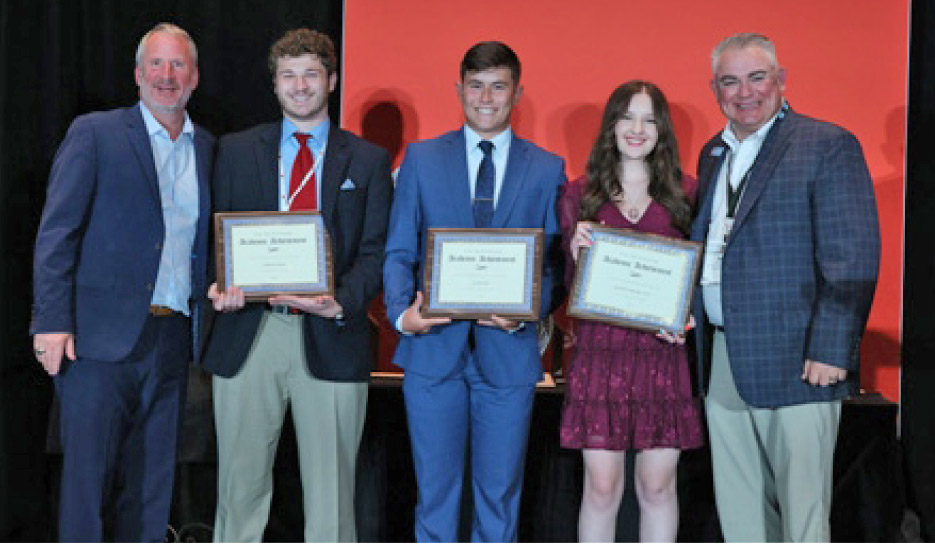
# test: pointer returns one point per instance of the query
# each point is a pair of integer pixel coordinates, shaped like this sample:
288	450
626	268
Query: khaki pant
249	409
772	467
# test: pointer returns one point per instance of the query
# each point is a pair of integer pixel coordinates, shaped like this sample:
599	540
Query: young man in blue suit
309	353
792	248
469	385
119	270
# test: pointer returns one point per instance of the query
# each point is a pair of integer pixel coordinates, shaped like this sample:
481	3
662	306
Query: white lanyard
283	188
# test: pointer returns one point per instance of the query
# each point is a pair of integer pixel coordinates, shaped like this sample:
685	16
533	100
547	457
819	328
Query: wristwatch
339	318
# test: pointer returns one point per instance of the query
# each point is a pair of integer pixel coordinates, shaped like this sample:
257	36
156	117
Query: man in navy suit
792	248
312	354
119	269
469	385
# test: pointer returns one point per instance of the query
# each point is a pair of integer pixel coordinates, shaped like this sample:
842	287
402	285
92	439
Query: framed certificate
636	280
476	273
268	253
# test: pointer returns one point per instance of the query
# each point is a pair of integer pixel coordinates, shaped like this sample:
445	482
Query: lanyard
733	196
283	188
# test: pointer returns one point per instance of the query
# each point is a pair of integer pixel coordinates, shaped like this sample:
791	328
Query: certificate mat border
527	311
224	221
691	265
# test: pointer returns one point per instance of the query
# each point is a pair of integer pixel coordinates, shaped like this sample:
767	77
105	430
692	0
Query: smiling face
166	74
636	130
749	88
488	97
302	85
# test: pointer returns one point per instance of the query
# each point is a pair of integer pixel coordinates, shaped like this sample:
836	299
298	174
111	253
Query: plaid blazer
800	265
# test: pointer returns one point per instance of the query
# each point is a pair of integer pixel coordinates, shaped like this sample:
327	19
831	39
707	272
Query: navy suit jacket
246	179
800	266
101	235
433	191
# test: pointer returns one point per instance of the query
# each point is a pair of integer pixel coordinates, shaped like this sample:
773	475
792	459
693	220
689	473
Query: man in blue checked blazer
792	248
469	385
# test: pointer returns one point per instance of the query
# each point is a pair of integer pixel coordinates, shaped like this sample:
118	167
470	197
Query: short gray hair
742	41
167	28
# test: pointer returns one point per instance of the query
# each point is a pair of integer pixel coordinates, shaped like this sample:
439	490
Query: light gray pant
249	409
772	467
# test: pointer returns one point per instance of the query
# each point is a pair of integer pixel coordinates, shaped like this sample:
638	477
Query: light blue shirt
289	149
177	174
501	151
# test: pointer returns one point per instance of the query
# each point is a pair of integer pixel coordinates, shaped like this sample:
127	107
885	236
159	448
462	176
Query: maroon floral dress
625	389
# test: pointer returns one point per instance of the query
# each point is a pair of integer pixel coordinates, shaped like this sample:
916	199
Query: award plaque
635	279
269	253
476	273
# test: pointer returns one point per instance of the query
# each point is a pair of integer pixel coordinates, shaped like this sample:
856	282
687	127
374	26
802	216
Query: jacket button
149	286
158	246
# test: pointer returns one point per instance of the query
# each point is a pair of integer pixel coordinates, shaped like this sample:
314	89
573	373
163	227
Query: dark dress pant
119	427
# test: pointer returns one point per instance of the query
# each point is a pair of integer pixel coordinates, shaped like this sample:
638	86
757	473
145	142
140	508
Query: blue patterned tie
483	190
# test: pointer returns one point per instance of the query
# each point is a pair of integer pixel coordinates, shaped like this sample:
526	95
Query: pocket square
348	185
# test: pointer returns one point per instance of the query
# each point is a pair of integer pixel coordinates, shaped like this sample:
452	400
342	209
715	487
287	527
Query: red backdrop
846	61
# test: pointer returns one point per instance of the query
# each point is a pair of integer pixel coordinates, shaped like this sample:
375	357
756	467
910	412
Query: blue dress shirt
176	172
289	148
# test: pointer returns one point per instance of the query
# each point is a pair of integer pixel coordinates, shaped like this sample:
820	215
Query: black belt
718	328
283	310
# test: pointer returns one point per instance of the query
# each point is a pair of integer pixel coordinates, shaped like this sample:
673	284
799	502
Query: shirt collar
472	139
153	127
319	132
733	142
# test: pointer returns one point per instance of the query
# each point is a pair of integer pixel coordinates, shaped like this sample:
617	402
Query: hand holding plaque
635	279
270	253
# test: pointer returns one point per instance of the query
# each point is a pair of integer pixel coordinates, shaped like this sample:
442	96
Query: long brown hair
665	173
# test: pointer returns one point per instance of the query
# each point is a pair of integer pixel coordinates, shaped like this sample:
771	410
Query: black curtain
62	58
918	352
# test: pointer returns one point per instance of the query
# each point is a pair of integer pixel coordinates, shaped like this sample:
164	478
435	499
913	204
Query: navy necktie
483	189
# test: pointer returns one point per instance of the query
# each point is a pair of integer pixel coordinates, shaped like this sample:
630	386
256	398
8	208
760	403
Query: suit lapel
202	160
459	190
708	170
267	159
775	145
337	157
139	141
516	166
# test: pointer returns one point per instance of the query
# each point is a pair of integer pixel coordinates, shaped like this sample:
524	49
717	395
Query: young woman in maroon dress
628	389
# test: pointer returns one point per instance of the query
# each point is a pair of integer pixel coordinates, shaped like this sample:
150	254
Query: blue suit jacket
101	235
433	190
800	265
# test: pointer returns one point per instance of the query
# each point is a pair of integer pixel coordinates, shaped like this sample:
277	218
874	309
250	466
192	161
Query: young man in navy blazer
312	354
469	385
119	269
792	248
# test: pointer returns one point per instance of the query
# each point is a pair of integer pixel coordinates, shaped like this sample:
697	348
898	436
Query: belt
284	310
162	311
718	328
